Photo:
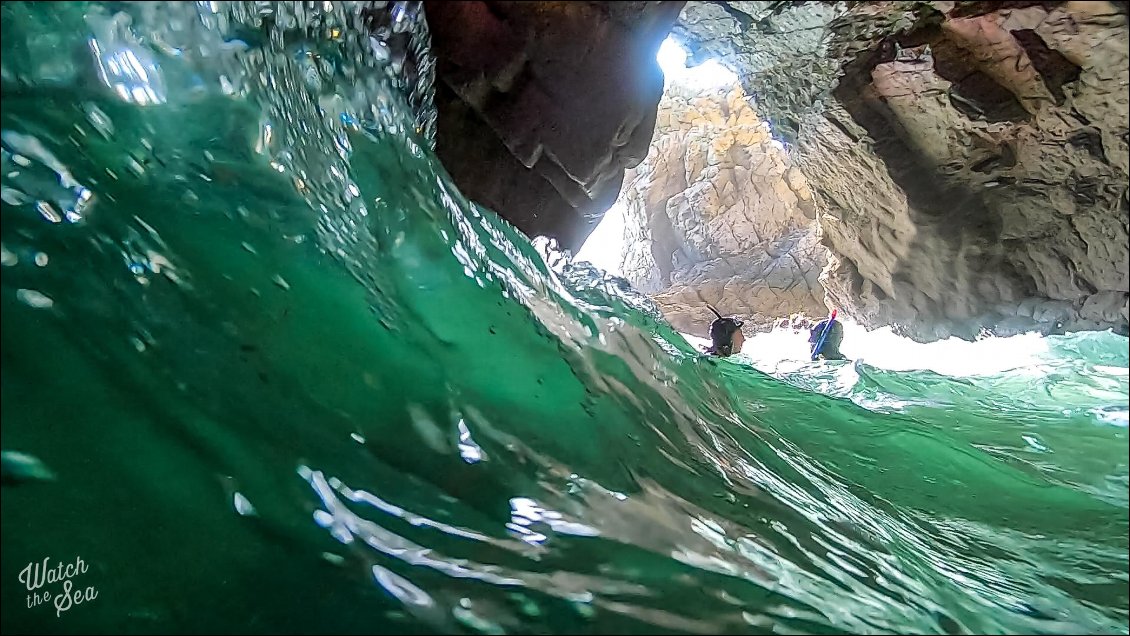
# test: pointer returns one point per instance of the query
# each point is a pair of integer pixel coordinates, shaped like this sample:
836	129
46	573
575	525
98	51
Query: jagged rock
779	49
714	214
542	105
969	159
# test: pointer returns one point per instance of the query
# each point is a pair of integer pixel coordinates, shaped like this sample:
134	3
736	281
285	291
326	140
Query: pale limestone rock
735	228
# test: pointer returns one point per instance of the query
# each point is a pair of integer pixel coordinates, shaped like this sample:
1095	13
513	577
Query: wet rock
968	159
542	105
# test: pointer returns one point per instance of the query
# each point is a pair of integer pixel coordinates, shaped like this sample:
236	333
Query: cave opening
716	213
604	247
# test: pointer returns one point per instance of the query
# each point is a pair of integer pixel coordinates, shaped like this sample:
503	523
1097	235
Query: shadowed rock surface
542	105
969	160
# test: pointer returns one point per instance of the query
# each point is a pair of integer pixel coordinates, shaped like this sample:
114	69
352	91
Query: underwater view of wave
264	369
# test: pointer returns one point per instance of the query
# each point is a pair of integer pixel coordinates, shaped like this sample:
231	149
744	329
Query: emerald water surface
266	370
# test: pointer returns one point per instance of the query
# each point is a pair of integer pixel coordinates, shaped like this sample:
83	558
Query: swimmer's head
831	347
726	335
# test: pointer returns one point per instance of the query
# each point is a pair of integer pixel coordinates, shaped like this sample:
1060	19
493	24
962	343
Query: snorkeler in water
725	335
825	338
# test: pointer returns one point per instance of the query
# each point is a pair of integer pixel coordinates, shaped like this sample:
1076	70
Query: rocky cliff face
969	159
715	215
542	105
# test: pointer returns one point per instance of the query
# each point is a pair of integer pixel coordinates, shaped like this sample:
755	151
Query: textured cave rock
778	49
715	215
542	105
969	159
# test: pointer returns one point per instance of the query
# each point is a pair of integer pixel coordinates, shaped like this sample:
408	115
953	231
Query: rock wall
715	215
969	159
542	105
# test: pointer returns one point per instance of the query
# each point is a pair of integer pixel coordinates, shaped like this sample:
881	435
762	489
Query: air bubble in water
35	299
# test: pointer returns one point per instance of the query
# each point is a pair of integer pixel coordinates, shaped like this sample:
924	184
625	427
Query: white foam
785	350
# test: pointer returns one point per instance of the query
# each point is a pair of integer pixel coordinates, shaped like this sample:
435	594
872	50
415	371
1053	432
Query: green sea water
264	369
